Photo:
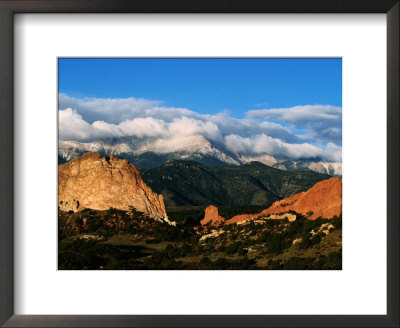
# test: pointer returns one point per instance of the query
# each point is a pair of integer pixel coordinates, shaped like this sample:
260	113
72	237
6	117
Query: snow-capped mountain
153	152
330	168
188	147
265	159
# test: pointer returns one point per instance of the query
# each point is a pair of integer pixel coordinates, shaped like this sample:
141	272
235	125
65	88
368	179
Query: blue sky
209	85
287	108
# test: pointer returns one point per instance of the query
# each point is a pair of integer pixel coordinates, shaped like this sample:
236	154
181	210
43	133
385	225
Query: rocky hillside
324	199
187	183
102	183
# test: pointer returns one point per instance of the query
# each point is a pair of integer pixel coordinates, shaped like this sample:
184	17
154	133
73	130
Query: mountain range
184	183
153	152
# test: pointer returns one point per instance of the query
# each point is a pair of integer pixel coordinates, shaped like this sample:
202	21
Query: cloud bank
319	122
295	133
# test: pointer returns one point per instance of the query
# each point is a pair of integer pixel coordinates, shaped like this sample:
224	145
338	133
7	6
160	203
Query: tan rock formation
263	219
100	183
212	217
323	199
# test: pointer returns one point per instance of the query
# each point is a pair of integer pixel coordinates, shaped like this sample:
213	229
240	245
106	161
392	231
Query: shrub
205	260
231	248
244	264
152	241
221	264
337	222
276	244
274	265
242	251
305	242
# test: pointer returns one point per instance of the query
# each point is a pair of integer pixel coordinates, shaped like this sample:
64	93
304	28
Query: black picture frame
7	10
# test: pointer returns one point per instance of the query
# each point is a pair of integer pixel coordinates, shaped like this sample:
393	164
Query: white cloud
71	126
116	111
299	114
321	123
189	126
144	127
111	110
264	131
263	144
333	152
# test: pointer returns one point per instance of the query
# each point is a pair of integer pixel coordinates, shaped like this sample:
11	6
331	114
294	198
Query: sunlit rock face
212	217
324	199
101	183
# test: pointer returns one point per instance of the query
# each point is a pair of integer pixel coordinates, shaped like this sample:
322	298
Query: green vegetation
333	261
120	240
195	184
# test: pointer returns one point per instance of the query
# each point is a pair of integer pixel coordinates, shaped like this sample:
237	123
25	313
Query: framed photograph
145	185
199	164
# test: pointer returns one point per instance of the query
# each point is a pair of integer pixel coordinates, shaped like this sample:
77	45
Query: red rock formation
323	199
100	183
212	217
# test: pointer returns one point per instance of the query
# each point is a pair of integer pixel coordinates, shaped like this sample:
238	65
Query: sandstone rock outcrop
100	183
323	199
242	217
212	217
260	218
